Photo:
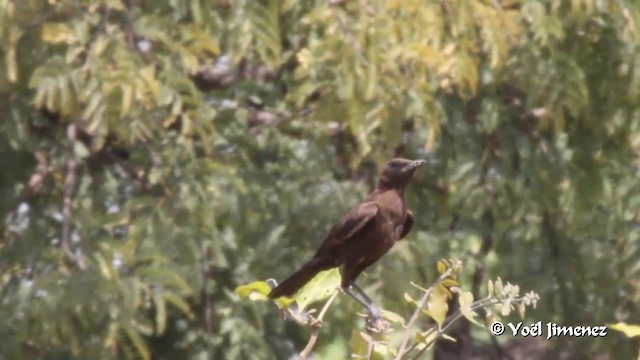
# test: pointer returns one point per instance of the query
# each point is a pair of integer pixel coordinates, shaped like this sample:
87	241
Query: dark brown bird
363	235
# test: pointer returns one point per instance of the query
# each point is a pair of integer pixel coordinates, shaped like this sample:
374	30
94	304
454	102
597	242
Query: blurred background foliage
156	154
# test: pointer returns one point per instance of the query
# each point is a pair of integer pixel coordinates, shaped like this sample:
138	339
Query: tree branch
316	325
416	313
456	316
67	201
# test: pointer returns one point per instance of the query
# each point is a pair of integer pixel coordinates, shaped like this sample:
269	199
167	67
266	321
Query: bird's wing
408	224
349	225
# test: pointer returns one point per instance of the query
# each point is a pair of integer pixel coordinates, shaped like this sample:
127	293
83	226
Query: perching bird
362	236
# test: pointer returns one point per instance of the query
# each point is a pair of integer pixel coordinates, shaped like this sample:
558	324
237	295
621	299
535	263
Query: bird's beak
414	164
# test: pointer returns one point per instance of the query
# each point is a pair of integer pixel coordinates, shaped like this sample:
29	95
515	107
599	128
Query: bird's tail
299	278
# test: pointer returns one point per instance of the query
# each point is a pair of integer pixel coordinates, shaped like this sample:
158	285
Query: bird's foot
374	312
300	316
374	323
314	323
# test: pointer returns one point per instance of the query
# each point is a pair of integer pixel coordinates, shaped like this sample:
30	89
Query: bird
362	236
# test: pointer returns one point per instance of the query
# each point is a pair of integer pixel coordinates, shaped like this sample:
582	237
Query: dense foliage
157	154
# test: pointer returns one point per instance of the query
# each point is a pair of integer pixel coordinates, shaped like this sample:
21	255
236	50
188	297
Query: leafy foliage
377	342
156	155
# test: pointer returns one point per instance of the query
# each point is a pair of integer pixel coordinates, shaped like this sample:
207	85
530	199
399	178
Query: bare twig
67	201
316	328
456	316
416	313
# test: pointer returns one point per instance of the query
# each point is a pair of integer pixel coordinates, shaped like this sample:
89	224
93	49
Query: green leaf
127	99
437	306
138	342
161	313
105	269
56	33
466	300
497	285
423	338
409	299
256	291
179	303
449	283
319	288
393	317
359	345
629	330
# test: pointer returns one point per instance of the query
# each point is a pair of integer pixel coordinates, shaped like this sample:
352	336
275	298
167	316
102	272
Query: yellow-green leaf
179	303
409	299
256	291
450	283
466	300
629	330
319	288
161	313
393	317
56	33
359	345
104	267
437	306
127	99
138	342
497	285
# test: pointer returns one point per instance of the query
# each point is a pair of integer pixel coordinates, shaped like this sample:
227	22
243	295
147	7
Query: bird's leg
366	301
374	310
362	293
349	291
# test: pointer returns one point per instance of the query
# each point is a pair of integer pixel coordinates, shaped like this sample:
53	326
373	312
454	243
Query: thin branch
416	314
67	201
316	325
457	315
299	318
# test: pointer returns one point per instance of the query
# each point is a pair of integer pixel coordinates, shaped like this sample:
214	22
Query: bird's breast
392	207
392	225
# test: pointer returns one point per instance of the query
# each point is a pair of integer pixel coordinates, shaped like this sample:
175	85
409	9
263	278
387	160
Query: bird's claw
374	312
374	321
314	323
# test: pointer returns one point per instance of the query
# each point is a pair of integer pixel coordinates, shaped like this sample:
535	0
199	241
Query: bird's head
398	172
